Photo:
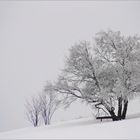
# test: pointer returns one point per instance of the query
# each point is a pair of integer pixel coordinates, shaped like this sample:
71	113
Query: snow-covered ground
86	128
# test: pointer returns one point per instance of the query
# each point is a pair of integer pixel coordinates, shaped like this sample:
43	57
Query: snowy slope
82	129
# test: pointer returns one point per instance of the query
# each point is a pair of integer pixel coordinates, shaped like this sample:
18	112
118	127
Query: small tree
33	110
49	103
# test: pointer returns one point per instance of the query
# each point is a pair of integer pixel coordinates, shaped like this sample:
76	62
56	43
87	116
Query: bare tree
33	110
49	103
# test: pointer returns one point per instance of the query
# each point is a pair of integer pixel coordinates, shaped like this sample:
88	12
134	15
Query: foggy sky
34	40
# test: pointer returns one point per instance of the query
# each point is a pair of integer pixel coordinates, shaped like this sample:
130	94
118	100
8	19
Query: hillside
81	129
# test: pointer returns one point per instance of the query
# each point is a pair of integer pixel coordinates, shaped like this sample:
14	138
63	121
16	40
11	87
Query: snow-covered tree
82	78
123	54
103	75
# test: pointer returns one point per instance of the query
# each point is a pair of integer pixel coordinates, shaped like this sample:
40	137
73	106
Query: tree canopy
105	74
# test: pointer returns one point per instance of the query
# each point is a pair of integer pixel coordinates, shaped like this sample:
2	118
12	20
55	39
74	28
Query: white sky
34	40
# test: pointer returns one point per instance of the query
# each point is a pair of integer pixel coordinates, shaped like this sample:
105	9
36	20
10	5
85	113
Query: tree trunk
125	109
48	120
119	108
112	113
36	120
45	117
45	120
